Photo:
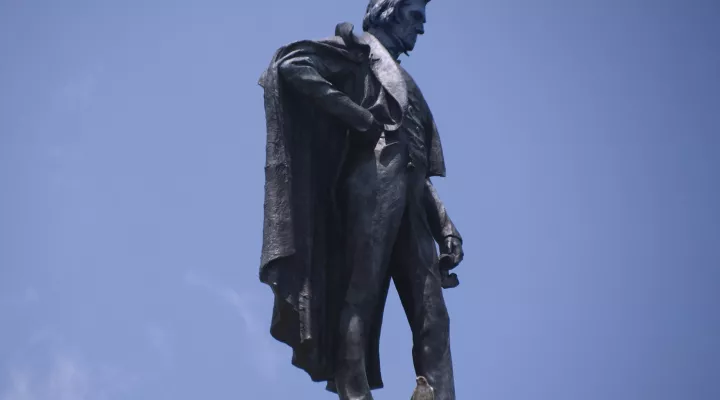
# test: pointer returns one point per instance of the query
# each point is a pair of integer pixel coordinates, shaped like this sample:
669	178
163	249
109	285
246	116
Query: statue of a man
349	205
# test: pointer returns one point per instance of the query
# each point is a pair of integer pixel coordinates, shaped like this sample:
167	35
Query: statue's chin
409	45
403	46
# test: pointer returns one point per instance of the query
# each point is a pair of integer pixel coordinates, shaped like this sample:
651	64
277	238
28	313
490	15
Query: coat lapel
384	67
387	71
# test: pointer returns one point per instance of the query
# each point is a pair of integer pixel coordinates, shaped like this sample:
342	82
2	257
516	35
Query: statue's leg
418	282
373	199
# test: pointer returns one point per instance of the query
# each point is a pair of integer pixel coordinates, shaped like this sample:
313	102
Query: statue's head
403	20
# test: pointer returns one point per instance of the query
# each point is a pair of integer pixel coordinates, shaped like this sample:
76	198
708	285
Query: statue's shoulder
343	39
342	47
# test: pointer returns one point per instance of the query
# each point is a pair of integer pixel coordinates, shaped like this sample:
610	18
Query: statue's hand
367	120
371	132
452	246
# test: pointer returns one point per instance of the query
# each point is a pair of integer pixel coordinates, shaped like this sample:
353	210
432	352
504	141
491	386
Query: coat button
410	166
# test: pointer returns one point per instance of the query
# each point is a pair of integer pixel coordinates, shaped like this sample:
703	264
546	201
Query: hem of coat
315	377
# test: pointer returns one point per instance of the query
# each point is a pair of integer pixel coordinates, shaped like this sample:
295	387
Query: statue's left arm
443	229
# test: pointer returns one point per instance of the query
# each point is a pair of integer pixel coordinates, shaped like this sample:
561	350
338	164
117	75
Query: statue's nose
421	30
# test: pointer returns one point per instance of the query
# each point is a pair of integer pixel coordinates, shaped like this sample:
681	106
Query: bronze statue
349	205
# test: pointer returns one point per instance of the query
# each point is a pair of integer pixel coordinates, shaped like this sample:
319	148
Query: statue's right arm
310	76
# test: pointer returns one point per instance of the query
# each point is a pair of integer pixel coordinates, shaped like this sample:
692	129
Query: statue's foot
423	390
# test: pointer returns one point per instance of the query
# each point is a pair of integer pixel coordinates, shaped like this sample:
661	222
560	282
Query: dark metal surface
349	205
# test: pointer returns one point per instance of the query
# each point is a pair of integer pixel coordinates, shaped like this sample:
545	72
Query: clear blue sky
583	147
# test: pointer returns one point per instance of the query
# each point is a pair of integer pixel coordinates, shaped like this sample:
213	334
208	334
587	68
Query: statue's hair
381	12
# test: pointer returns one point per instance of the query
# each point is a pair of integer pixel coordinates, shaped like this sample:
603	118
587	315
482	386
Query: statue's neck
390	42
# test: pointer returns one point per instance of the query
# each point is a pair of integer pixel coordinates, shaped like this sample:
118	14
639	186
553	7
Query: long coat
307	132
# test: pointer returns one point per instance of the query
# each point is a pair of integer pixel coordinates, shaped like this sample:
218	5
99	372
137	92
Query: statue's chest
360	83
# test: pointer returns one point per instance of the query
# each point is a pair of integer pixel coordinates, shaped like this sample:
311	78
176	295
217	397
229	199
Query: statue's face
410	23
